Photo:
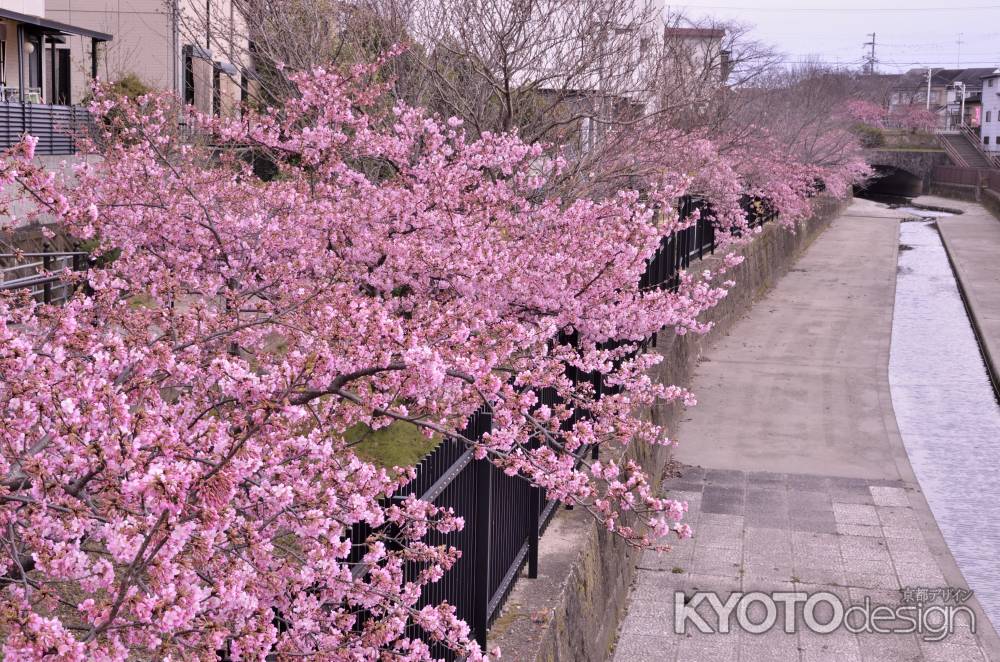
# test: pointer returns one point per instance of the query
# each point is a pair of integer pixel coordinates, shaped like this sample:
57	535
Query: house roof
53	27
972	77
697	33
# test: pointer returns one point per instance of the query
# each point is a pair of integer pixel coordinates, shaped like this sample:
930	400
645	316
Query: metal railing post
534	529
483	547
47	285
77	266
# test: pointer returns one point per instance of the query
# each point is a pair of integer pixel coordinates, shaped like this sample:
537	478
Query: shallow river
946	407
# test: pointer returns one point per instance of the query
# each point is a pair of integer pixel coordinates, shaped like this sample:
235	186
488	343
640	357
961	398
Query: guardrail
974	138
953	154
41	273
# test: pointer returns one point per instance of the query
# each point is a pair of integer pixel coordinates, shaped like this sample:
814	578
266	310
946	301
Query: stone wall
571	612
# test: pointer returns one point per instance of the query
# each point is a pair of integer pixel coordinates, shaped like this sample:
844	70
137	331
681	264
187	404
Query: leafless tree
804	108
605	83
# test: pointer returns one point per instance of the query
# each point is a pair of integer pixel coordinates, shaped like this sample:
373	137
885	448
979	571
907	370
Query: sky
908	33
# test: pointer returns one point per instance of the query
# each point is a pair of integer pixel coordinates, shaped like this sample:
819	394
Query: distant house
697	54
693	67
944	98
42	65
188	47
989	129
696	69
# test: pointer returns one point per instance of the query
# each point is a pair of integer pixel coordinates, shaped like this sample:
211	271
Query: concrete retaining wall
957	191
571	612
981	194
991	200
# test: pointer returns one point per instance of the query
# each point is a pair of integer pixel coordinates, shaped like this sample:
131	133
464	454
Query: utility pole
871	58
929	75
961	112
958	58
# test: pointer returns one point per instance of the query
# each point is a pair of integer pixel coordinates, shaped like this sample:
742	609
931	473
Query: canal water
946	407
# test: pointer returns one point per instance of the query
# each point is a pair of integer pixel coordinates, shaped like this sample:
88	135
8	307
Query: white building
989	129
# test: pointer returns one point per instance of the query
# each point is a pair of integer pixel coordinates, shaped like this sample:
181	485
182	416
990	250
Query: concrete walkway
796	476
972	240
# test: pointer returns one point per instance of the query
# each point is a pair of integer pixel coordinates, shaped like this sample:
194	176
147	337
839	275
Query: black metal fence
56	127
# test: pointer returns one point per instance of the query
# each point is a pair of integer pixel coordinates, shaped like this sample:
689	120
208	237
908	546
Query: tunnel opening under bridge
892	181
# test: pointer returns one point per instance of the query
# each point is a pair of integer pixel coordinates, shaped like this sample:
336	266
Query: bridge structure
904	171
907	163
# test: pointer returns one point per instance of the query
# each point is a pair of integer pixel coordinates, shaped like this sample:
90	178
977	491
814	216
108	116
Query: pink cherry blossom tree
867	112
916	118
173	457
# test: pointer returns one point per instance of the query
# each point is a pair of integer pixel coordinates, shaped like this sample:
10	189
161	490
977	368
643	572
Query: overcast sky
908	33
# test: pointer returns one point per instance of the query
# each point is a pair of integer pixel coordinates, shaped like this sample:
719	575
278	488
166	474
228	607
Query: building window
989	83
586	135
986	140
988	113
189	75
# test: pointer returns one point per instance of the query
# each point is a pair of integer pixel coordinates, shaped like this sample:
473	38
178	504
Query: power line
937	64
842	9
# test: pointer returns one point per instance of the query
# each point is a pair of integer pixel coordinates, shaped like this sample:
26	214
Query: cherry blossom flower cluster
867	112
174	475
914	117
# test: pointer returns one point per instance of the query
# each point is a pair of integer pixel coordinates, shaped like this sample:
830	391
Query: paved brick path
796	476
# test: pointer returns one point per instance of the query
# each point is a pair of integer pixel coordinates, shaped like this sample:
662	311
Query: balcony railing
56	127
